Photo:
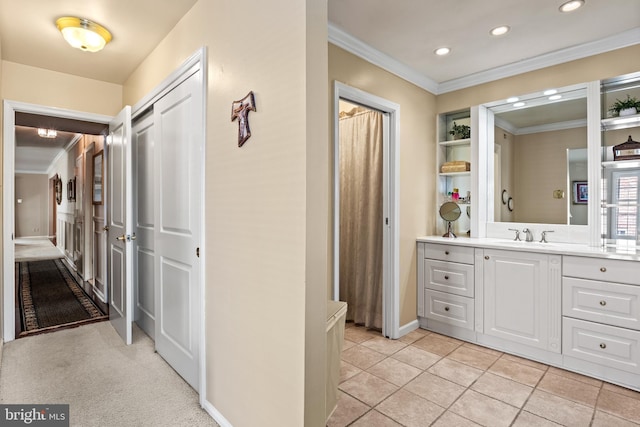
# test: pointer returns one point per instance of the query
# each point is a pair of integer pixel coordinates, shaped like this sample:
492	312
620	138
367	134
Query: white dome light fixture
570	6
83	34
441	51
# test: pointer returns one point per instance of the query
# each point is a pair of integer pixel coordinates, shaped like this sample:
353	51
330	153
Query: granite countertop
631	253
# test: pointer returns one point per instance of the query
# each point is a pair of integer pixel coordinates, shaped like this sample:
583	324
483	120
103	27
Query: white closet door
143	135
179	127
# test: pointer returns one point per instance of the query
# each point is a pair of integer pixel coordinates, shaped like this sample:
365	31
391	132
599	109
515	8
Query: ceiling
399	36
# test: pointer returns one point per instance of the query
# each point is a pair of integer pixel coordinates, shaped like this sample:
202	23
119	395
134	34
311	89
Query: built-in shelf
454	142
621	164
614	123
467	173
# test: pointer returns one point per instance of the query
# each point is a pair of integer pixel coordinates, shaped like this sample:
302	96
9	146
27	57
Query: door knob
121	237
133	236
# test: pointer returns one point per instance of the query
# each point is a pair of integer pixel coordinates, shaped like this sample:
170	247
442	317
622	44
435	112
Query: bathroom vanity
571	306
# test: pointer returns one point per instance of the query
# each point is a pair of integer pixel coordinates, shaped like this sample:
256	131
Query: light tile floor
427	379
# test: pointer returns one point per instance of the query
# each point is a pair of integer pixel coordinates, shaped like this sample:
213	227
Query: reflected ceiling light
554	97
442	51
550	92
519	104
83	34
47	133
570	6
512	99
498	31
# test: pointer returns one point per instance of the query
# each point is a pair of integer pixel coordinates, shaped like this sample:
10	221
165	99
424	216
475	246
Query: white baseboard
216	415
411	326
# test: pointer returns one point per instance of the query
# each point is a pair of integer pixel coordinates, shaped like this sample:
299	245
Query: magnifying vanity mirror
450	211
540	150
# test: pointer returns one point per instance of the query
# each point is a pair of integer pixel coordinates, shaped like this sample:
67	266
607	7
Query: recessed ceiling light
570	6
554	97
519	104
47	133
550	92
442	51
498	31
512	99
83	34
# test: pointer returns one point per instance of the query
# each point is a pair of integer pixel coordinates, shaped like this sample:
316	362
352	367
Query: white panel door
119	203
178	124
143	215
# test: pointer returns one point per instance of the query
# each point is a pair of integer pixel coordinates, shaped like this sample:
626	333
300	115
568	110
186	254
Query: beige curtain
361	216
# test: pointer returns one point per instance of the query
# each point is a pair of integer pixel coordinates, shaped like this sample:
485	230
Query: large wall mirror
539	147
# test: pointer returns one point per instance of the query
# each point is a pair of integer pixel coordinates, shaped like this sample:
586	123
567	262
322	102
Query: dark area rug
51	299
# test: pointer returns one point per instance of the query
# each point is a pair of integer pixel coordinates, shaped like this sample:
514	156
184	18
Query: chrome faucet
544	236
529	235
517	238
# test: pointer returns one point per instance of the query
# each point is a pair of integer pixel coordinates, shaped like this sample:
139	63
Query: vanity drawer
451	309
605	345
449	277
462	254
605	302
610	270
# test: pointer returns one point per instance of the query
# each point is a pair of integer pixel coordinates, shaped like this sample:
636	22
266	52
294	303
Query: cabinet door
522	297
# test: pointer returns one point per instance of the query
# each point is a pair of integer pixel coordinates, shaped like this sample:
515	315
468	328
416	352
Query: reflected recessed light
554	97
519	104
570	6
498	31
442	51
512	99
550	92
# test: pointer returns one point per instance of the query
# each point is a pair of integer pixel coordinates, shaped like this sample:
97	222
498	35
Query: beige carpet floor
105	382
35	248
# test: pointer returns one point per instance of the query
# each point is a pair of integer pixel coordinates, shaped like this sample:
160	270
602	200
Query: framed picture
97	181
580	192
71	190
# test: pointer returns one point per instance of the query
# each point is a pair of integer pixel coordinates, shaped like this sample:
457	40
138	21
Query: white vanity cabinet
601	317
522	298
446	286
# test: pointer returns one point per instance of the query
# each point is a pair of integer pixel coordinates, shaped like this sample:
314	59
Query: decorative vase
627	112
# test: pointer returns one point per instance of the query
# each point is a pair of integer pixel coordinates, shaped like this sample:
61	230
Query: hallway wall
266	203
31	214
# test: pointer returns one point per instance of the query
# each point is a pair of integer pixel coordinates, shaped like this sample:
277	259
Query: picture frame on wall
71	190
580	192
97	181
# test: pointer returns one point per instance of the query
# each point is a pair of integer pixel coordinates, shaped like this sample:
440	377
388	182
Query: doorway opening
366	156
50	183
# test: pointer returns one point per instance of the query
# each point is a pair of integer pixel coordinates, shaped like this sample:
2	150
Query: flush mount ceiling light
570	6
441	51
83	34
498	31
47	133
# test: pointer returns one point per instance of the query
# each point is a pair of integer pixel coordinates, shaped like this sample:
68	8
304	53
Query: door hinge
386	221
198	252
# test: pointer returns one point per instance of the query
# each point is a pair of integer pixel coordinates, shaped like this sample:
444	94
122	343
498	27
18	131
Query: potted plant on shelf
626	107
460	131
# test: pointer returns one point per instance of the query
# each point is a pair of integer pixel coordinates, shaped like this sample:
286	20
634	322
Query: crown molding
549	127
618	41
357	47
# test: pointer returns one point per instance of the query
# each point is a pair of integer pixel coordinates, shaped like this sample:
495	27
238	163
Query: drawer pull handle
486	257
603	303
446	277
446	252
603	269
603	345
446	309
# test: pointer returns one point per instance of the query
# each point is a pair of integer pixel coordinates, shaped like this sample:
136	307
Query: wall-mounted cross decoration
240	110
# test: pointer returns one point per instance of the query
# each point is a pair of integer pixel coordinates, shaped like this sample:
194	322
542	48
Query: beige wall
54	89
417	151
31	214
265	249
540	167
606	65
